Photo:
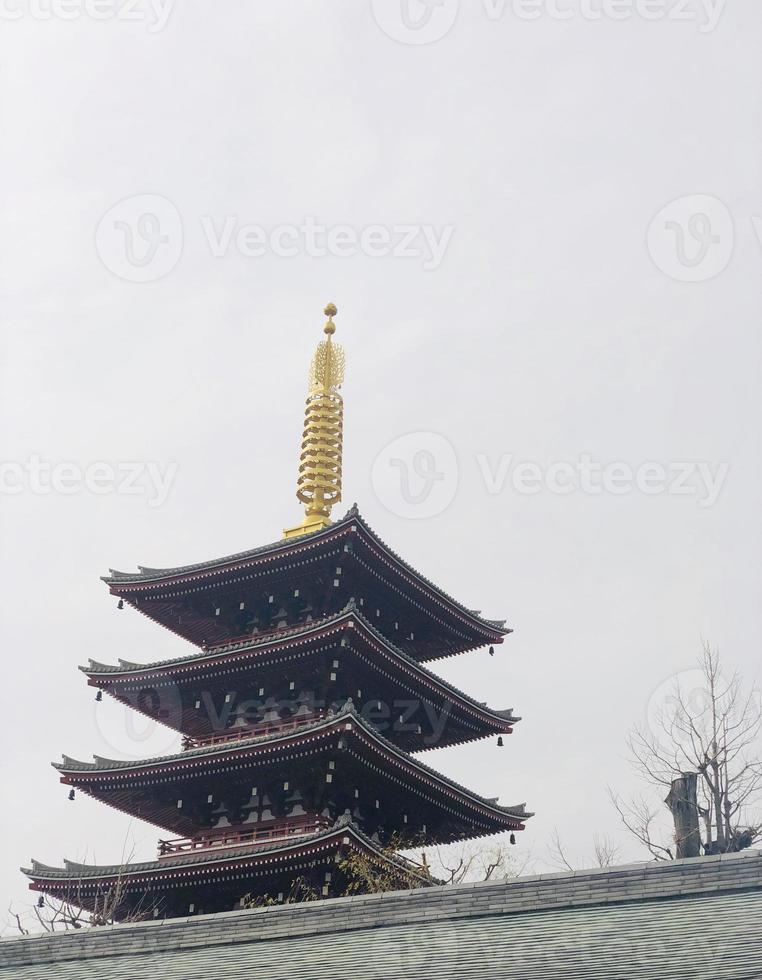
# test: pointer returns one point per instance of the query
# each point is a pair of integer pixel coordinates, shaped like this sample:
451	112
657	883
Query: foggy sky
552	327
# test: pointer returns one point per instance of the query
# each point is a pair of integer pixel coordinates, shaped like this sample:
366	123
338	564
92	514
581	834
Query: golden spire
319	483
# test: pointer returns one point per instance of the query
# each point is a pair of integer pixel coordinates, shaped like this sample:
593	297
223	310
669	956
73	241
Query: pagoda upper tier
328	767
269	682
303	578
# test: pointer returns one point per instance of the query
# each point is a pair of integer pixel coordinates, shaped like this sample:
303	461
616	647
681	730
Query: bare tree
641	818
59	914
712	730
605	853
475	861
74	910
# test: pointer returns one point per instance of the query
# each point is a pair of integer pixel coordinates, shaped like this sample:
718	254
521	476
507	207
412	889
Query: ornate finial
330	311
319	483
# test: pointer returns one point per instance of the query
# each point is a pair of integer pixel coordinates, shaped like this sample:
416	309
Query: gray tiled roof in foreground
699	919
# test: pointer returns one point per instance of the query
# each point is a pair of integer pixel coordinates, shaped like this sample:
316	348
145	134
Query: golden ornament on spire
319	483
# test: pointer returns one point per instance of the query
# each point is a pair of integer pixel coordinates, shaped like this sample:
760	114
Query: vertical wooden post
683	804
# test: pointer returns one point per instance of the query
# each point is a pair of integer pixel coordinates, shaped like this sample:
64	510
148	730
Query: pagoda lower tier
268	683
337	765
198	879
286	583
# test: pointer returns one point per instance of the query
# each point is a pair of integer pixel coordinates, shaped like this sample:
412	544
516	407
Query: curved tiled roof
699	919
71	767
351	612
75	870
145	575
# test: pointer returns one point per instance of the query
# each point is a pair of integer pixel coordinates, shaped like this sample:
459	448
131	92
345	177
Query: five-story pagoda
300	711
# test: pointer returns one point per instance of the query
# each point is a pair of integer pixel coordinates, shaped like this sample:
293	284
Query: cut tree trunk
683	804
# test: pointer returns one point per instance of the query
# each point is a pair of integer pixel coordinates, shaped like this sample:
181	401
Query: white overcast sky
554	326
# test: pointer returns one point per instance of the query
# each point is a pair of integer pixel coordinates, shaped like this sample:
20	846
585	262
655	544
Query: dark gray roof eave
77	870
105	670
155	574
518	812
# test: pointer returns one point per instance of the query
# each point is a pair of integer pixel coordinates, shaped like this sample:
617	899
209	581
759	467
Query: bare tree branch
713	730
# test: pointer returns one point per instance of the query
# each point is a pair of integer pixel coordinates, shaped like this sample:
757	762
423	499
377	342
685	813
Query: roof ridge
499	623
343	822
212	562
146	573
518	811
689	866
685	892
208	653
351	608
507	713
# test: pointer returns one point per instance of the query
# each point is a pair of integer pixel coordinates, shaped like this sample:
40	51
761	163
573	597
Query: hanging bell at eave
99	696
71	794
41	902
500	741
512	838
492	651
120	604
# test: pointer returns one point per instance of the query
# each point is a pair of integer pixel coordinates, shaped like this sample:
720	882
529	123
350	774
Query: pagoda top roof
75	870
106	767
153	578
128	671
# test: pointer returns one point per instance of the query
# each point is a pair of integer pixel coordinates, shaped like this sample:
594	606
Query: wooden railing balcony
253	731
271	833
